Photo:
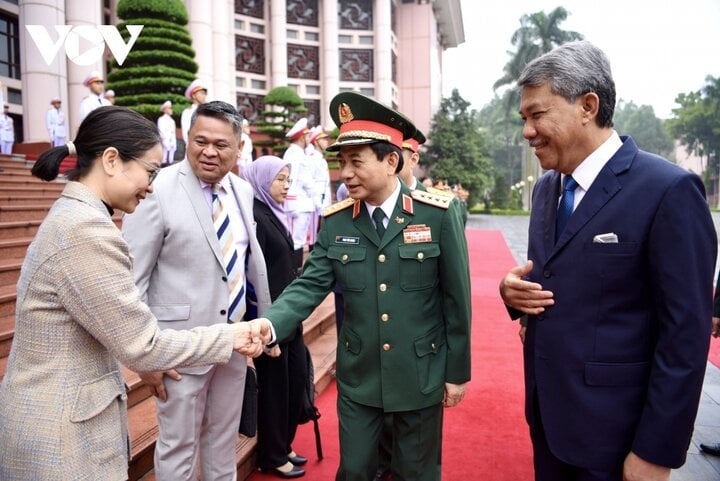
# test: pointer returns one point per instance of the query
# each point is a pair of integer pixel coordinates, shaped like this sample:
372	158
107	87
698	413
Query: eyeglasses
153	170
282	180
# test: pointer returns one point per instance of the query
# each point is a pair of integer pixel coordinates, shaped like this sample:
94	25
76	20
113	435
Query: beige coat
63	412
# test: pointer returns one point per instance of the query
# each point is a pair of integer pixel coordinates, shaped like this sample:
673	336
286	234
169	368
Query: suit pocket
430	350
99	419
616	374
349	369
171	312
418	266
348	266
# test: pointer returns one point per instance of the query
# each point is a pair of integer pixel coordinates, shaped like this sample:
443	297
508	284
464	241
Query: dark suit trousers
416	442
281	382
549	468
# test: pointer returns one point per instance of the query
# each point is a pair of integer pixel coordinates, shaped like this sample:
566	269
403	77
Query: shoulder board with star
442	201
338	206
433	190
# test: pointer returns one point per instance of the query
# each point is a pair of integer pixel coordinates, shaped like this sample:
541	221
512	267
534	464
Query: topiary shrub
161	64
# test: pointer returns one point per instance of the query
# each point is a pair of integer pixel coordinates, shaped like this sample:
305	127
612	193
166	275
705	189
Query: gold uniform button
383	287
381	258
420	255
344	257
386	347
384	317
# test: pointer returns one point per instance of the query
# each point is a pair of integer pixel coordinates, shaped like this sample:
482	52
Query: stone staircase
24	202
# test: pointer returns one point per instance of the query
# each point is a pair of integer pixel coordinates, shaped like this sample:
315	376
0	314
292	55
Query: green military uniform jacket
407	316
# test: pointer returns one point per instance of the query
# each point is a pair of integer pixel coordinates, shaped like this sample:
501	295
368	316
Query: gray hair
220	110
574	69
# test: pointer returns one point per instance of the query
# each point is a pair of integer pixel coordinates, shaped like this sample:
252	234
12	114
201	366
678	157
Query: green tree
161	64
641	124
697	125
282	108
539	33
456	152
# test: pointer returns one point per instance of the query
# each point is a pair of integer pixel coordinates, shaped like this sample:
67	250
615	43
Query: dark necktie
565	209
378	216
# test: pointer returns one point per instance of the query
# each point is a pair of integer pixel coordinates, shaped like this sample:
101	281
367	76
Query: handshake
251	337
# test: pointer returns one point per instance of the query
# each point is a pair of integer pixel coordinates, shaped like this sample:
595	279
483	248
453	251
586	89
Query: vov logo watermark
71	36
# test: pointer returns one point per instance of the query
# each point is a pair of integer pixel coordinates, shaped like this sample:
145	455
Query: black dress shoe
295	472
713	449
298	460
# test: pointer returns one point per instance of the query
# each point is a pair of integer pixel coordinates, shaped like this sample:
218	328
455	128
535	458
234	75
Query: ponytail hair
109	126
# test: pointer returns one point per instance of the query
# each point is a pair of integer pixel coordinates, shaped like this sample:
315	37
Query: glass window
239	25
312	89
240	82
258	84
9	47
368	91
366	40
257	28
312	36
292	34
345	38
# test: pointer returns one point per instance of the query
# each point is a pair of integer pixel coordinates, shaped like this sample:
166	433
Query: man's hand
716	327
274	351
454	393
154	381
263	328
247	339
637	469
528	297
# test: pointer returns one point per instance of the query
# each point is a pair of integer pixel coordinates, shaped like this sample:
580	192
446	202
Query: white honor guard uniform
7	132
94	81
55	123
321	175
167	127
196	92
299	203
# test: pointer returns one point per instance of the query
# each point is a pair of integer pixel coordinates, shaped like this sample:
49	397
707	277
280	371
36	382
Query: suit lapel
363	224
399	219
604	188
550	205
191	184
272	219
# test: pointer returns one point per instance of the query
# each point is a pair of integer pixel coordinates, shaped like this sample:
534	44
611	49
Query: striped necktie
221	221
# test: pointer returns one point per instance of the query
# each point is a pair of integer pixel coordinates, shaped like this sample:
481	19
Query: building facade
389	49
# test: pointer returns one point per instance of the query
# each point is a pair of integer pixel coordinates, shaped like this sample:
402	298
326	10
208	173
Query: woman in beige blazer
63	413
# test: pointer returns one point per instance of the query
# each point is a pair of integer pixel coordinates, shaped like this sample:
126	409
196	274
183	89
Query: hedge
172	10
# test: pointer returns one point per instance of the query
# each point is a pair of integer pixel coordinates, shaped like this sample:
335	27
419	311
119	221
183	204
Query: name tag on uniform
416	233
344	239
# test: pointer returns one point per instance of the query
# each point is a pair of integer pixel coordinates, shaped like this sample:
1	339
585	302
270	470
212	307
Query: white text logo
96	37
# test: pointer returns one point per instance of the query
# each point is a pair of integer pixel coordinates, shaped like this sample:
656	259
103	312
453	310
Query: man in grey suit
182	271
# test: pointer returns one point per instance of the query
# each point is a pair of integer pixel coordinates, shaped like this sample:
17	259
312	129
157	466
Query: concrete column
223	50
200	26
278	44
40	81
383	52
330	59
79	13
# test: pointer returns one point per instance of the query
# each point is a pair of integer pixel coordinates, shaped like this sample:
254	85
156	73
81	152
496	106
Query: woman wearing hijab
281	380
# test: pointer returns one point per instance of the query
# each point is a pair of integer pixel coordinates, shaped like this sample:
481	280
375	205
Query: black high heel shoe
295	472
297	460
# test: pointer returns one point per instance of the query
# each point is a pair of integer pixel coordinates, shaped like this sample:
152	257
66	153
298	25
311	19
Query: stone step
47	189
15	171
25	181
8	295
14	164
15	213
17	229
14	247
17	199
7	329
10	270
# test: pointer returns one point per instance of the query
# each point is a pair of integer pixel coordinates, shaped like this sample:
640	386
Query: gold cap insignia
345	113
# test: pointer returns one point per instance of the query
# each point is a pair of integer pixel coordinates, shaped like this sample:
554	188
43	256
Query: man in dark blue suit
617	288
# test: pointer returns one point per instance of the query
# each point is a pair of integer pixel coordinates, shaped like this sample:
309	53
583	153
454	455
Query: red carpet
714	354
485	438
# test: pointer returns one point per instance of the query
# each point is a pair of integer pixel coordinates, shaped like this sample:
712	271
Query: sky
657	48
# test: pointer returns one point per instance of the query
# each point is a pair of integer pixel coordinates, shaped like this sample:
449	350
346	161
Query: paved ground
699	467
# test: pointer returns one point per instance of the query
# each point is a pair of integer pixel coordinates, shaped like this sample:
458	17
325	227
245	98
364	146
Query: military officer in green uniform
401	259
